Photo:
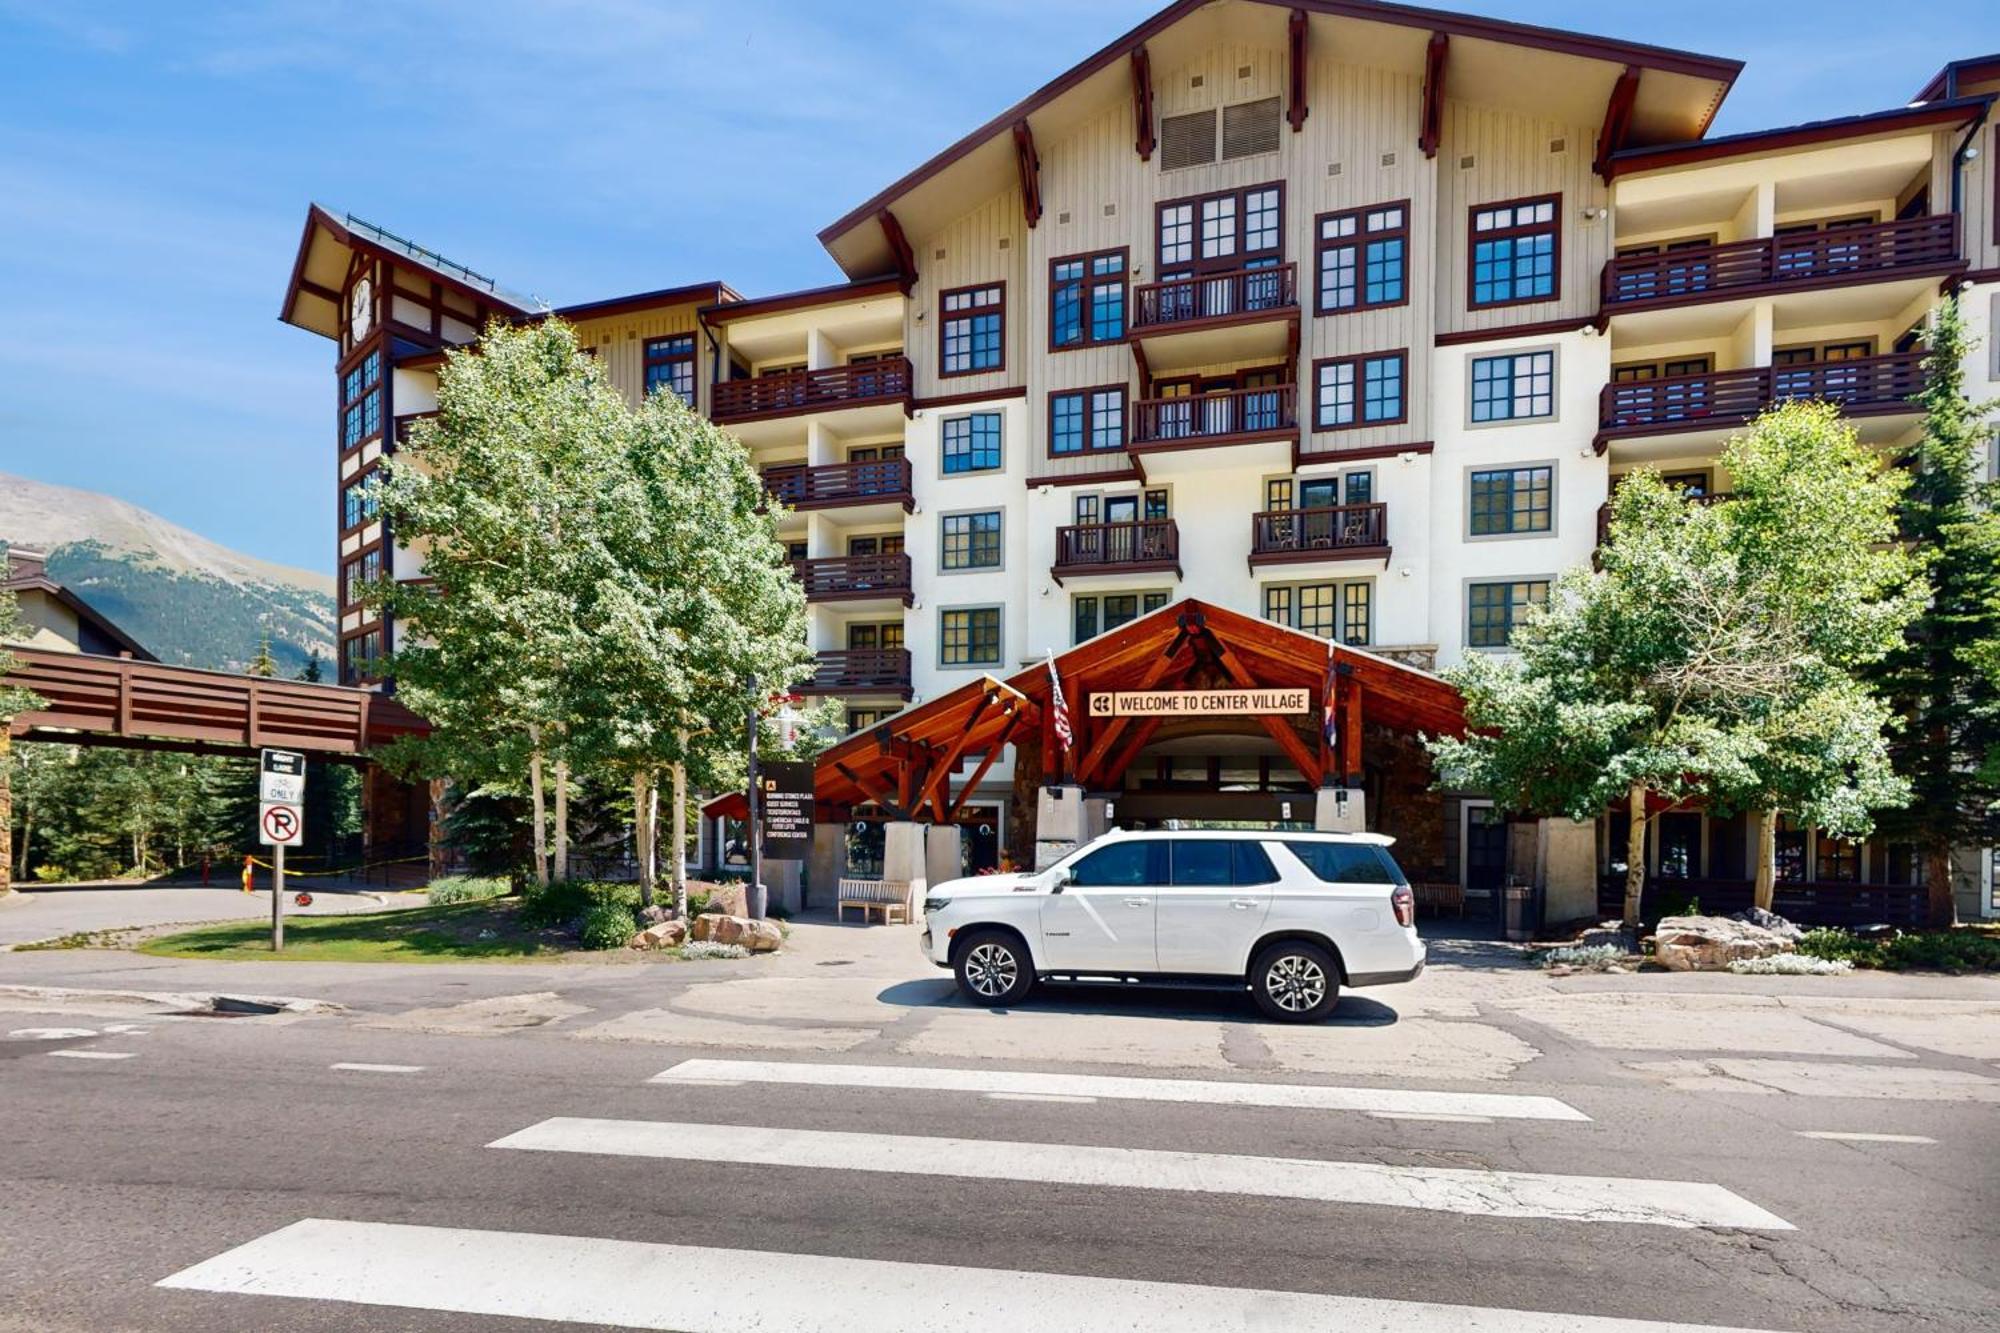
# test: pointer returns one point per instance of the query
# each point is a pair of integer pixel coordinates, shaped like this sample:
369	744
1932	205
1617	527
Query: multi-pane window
1514	250
860	719
1359	391
1493	609
1364	258
1339	610
1087	420
970	541
361	652
1087	300
357	503
868	637
1511	500
969	636
1093	614
1221	231
670	365
971	329
1515	387
971	444
357	574
361	401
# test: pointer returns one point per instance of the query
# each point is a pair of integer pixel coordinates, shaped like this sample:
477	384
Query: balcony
1911	248
856	578
883	482
1717	401
1296	536
1242	315
870	383
1117	548
860	671
1233	416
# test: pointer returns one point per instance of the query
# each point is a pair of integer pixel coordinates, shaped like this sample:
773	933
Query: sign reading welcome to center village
1198	703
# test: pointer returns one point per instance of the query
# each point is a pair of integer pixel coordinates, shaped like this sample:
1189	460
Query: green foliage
1835	945
606	925
464	889
566	902
488	828
1917	951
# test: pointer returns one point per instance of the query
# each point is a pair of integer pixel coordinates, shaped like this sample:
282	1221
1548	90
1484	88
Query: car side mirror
1057	878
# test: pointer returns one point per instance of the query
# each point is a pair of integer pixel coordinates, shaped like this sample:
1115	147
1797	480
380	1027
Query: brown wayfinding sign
1198	703
786	802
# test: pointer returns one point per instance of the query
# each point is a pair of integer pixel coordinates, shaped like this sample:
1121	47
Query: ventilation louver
1187	141
1250	128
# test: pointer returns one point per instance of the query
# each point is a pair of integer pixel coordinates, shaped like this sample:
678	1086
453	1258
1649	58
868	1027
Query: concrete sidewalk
29	915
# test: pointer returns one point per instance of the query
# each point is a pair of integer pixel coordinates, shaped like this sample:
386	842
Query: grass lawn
485	931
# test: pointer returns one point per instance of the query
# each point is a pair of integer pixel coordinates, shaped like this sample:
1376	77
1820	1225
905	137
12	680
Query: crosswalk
615	1282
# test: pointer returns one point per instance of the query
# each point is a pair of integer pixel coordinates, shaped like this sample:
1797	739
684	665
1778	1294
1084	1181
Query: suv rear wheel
994	969
1295	981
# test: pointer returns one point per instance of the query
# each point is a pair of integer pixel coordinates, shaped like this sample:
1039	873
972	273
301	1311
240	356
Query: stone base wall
1402	804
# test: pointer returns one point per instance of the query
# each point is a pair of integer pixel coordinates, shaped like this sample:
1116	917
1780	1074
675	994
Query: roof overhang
1845	130
1563	75
1961	77
82	610
329	242
704	294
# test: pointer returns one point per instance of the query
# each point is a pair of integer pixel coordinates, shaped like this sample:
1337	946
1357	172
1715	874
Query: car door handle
1137	902
1242	904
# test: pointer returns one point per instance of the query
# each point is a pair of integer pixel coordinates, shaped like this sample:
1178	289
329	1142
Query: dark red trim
1359	361
1304	458
1359	242
1087	478
1537	329
804	299
1142	104
899	250
1296	32
1124	254
1473	236
1955	112
1617	121
1086	392
703	293
944	318
1029	163
963	399
1944	83
1431	122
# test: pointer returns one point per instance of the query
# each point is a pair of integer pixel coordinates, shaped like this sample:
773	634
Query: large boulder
728	899
756	936
1771	921
1712	943
660	935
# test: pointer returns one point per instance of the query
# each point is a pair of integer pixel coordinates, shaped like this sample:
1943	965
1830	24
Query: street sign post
281	791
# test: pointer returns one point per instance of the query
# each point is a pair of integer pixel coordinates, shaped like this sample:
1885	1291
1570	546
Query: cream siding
621	347
985	245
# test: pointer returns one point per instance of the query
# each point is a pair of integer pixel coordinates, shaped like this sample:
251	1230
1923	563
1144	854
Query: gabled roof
1897	120
313	303
1677	96
1960	76
30	575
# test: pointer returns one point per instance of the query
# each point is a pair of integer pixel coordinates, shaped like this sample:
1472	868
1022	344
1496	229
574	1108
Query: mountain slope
186	598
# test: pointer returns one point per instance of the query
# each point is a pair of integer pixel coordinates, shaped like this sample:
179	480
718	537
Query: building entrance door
1485	860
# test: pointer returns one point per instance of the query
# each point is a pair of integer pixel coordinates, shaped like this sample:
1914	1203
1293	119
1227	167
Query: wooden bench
889	897
1436	897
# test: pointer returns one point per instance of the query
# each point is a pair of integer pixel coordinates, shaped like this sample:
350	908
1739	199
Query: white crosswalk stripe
1213	1092
630	1284
1672	1203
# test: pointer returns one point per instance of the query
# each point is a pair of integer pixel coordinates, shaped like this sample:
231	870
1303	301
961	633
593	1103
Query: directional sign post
281	790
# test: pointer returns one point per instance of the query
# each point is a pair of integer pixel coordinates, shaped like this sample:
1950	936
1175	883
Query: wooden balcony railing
1865	385
1822	258
1281	536
835	484
848	578
812	390
1117	548
1240	294
860	671
1809	902
1215	418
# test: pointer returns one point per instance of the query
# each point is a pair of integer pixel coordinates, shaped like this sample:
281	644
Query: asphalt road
213	1134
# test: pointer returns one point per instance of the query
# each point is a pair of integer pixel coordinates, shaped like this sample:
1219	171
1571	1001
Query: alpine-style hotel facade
1341	316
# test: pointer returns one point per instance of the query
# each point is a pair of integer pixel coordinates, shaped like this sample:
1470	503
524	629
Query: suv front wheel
994	969
1295	981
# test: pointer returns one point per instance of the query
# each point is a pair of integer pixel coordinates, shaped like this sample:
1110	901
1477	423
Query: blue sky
156	160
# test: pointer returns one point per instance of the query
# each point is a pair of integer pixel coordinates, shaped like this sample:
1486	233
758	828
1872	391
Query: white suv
1292	916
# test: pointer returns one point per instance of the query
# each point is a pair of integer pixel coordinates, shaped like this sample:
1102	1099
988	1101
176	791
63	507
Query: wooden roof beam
899	246
1029	162
1617	121
1142	103
1297	111
1431	128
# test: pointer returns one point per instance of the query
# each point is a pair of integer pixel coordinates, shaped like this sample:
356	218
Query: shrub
465	889
697	902
698	949
1837	946
606	925
1943	951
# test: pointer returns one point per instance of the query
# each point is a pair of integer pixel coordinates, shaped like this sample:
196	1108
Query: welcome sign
1198	703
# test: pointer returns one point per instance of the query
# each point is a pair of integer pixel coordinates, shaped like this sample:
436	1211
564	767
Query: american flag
1059	707
1329	717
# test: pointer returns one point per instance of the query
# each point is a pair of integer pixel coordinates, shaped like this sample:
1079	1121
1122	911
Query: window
1202	863
972	444
1087	300
1087	419
1838	860
1512	500
969	636
361	401
357	503
670	365
1330	610
1359	391
971	329
888	634
1346	862
860	719
357	574
361	652
1514	248
1513	388
1122	865
1092	614
1364	258
970	541
1220	232
1493	609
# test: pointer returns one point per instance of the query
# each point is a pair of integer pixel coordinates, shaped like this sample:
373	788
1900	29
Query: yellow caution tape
346	870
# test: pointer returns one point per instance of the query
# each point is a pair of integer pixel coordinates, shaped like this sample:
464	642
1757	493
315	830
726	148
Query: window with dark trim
361	401
1516	387
1215	233
1493	609
969	636
860	719
1087	420
1515	250
1364	258
972	326
1339	610
1512	500
1092	614
971	443
357	502
361	652
670	364
1087	300
1359	391
969	541
357	574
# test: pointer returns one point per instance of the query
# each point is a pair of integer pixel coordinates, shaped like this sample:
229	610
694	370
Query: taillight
1405	904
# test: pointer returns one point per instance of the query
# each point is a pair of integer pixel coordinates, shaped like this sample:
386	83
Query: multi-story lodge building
1340	315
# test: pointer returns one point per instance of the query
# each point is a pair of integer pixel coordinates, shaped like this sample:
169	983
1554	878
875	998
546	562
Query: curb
168	1003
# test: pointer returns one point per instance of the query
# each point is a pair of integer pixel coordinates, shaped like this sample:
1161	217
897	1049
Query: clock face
361	308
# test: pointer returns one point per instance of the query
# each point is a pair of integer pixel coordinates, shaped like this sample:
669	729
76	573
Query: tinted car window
1202	862
1346	862
1122	865
1253	865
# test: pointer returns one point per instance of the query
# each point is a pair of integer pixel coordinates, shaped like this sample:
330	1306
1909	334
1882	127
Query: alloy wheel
991	970
1296	983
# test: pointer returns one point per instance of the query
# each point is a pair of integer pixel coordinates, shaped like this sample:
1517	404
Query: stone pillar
903	861
785	881
943	855
1059	824
1098	817
1566	869
1341	810
825	864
